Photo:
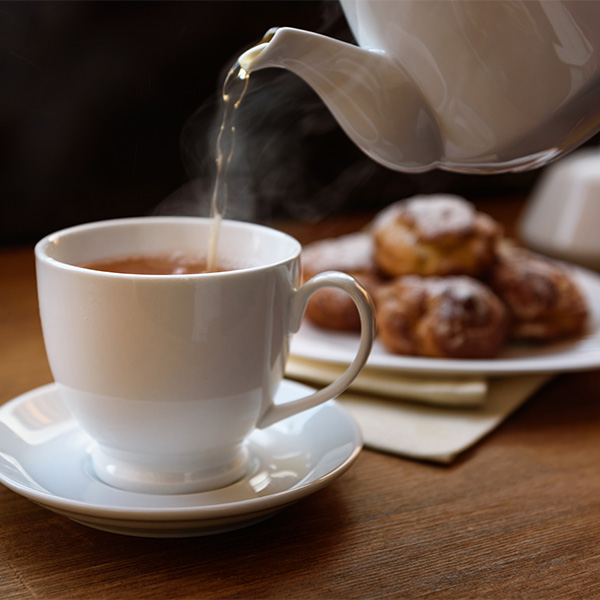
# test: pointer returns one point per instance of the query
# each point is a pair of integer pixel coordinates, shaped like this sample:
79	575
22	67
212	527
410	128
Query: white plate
44	457
572	355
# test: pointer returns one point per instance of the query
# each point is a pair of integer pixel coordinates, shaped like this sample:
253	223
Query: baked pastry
347	253
332	308
449	317
434	235
543	300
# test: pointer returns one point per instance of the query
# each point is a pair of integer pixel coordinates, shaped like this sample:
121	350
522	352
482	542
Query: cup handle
364	304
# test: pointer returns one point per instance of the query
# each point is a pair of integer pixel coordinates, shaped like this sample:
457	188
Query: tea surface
175	263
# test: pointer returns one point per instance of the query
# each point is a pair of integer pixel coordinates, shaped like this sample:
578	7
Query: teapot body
513	84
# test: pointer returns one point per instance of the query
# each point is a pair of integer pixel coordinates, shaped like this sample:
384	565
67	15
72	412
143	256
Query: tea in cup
170	371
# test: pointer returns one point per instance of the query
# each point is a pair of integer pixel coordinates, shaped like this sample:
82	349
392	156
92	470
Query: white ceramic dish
571	355
44	456
563	213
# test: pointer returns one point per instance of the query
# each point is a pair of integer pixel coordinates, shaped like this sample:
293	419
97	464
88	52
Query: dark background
106	110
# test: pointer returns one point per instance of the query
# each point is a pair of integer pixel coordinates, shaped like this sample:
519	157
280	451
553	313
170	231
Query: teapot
459	85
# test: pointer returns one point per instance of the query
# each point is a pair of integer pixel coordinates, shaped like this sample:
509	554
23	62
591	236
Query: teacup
169	374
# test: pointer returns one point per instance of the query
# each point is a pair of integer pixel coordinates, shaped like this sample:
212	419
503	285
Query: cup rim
41	246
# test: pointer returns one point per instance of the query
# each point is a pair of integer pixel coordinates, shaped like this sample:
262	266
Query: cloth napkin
421	417
467	391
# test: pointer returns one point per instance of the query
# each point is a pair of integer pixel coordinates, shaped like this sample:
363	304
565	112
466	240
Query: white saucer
44	457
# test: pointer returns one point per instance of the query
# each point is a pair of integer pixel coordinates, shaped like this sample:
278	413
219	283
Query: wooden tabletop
517	516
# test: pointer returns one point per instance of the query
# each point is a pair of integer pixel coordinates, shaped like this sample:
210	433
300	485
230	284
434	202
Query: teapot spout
373	100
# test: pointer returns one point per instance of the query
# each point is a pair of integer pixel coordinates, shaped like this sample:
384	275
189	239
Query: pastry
446	317
347	253
434	235
332	308
543	300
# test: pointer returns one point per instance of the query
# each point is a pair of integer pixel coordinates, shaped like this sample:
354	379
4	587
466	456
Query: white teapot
463	85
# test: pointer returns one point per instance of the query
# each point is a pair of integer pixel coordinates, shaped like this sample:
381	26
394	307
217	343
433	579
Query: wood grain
517	516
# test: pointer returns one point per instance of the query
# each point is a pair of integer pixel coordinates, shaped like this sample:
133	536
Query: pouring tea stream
233	91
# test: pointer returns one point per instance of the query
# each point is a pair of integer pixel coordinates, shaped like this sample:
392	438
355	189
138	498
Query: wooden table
517	516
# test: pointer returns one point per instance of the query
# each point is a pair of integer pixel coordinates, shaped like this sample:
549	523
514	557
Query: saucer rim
75	509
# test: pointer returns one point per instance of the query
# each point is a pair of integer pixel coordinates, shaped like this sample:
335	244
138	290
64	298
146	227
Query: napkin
467	391
421	417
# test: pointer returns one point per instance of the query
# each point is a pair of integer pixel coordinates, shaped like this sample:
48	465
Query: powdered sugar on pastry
434	235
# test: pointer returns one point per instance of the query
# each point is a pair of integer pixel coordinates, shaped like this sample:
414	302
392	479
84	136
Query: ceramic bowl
562	216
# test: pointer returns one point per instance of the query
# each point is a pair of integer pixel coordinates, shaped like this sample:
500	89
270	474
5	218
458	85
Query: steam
270	170
286	161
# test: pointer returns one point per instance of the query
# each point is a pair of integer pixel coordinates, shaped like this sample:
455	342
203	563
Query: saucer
44	456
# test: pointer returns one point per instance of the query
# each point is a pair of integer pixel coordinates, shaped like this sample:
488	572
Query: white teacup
169	374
